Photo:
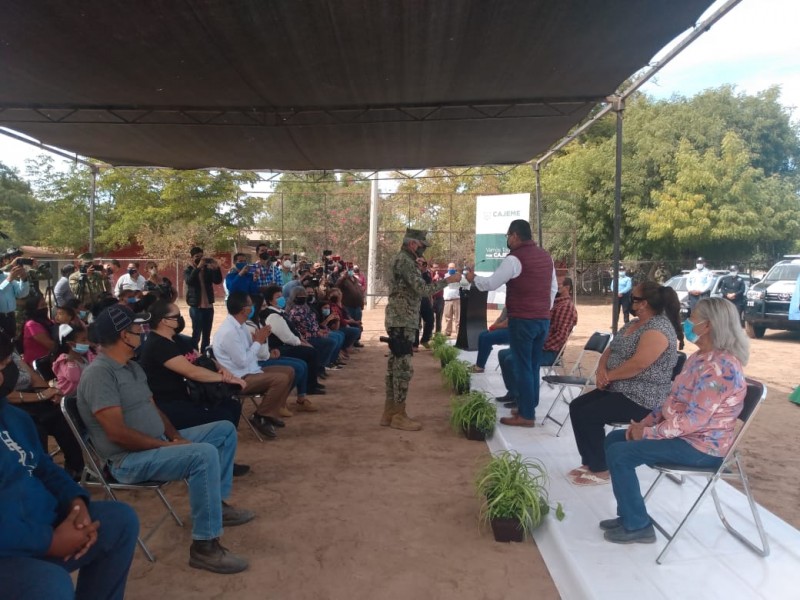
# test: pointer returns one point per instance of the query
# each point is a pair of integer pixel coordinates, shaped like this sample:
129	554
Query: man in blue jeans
140	444
496	335
200	275
49	526
530	278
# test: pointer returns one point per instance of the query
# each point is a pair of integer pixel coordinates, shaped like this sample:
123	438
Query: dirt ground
349	510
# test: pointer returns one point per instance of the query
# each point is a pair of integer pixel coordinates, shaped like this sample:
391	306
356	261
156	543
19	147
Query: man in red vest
530	278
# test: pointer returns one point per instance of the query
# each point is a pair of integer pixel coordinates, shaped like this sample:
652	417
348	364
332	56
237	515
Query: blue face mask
81	348
240	265
281	302
252	312
688	331
83	314
350	272
132	300
326	312
451	271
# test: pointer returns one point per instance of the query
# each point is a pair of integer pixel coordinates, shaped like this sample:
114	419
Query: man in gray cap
406	288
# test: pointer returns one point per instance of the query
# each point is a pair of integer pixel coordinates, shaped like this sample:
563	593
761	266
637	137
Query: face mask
326	312
181	324
688	331
83	314
451	271
350	272
300	300
420	251
138	337
132	300
264	256
153	271
10	377
252	312
633	311
240	265
41	313
281	302
81	348
131	272
700	266
287	264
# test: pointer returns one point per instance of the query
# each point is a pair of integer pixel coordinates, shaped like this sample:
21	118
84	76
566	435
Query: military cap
418	235
86	256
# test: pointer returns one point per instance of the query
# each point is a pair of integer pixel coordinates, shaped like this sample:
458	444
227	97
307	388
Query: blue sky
754	46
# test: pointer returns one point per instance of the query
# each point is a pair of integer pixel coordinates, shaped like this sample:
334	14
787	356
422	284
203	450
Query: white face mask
287	264
700	266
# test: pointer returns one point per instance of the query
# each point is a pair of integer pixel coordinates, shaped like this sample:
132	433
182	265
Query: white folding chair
731	468
597	343
559	360
96	474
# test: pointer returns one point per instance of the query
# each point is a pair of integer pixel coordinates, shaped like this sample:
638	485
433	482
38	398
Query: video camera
12	253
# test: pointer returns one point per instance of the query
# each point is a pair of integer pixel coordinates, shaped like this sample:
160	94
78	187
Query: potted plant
456	373
514	490
446	354
438	340
474	415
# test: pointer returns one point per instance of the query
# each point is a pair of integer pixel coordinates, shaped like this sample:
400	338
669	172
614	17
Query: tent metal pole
372	262
618	106
539	202
92	202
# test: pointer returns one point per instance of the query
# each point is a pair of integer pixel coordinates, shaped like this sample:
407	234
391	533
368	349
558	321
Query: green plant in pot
514	492
456	374
474	415
446	354
438	340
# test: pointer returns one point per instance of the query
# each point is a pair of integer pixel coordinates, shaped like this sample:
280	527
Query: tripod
49	297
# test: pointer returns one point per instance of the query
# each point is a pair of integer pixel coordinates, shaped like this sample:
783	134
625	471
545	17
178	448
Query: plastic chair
731	468
95	472
597	343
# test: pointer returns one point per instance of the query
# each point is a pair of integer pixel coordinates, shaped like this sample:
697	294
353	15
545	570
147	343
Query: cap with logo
115	319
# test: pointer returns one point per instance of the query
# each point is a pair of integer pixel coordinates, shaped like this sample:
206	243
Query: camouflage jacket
95	284
406	288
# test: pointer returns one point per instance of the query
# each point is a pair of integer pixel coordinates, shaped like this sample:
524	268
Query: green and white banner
493	215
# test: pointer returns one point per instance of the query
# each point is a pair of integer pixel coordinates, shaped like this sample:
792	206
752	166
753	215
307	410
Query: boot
401	420
389	408
212	556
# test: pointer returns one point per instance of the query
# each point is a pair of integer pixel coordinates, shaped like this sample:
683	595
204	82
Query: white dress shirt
126	282
510	268
234	348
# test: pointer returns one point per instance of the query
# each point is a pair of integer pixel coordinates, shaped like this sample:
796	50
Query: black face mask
181	324
633	311
300	300
41	314
420	251
264	256
10	377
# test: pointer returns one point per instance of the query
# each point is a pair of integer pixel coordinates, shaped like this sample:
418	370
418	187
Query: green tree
18	209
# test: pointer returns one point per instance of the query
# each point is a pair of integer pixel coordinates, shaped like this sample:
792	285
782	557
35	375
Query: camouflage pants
399	370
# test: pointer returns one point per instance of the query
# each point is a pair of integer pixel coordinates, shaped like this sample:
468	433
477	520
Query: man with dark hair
529	274
200	276
140	443
406	287
237	351
241	278
49	525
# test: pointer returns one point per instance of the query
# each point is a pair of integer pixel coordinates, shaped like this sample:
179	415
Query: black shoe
317	392
319	386
275	421
506	398
512	404
212	556
239	470
358	345
263	426
620	535
231	517
610	524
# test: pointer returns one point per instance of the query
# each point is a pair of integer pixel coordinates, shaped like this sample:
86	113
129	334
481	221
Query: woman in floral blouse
305	321
694	426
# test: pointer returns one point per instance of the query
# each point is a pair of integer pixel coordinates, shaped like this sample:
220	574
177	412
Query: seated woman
633	377
305	322
32	394
76	354
694	426
167	367
348	326
37	334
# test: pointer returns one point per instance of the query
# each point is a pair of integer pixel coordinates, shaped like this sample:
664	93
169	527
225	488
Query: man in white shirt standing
698	283
452	303
236	352
132	280
530	277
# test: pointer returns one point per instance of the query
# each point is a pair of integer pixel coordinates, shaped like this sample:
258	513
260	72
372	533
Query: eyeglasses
637	298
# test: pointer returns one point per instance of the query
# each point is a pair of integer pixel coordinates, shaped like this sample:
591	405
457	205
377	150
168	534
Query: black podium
473	318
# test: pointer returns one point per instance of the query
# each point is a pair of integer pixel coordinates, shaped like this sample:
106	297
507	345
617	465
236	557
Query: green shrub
456	374
438	340
446	354
473	410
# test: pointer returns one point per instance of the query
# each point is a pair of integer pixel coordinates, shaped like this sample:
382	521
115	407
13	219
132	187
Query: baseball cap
115	319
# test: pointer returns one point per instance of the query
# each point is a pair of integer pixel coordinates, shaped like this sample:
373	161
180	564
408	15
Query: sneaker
231	517
213	556
610	524
620	535
263	426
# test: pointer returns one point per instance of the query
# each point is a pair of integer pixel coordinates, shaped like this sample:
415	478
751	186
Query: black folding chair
731	468
96	473
242	397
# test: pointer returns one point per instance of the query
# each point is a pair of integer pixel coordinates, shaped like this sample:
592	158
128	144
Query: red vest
528	296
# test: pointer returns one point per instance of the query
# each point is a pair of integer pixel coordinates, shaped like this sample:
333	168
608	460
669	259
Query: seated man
235	350
49	526
496	335
563	318
140	444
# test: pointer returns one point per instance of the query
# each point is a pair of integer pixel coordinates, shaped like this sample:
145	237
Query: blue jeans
623	457
355	313
300	371
202	320
103	569
327	347
527	338
351	335
486	340
207	464
506	360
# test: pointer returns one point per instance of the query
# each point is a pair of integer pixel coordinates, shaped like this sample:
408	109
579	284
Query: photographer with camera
89	282
200	276
13	284
265	269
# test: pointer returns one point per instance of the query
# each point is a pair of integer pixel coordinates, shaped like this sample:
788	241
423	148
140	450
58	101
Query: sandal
589	478
577	472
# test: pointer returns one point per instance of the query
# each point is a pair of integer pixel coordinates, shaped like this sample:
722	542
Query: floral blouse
303	318
703	404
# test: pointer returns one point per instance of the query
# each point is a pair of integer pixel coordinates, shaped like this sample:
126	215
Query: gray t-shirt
650	387
105	384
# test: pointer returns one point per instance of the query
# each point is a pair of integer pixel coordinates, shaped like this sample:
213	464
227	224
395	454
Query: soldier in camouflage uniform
406	288
89	281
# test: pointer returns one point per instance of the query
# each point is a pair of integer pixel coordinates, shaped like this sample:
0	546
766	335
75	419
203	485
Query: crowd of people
158	404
